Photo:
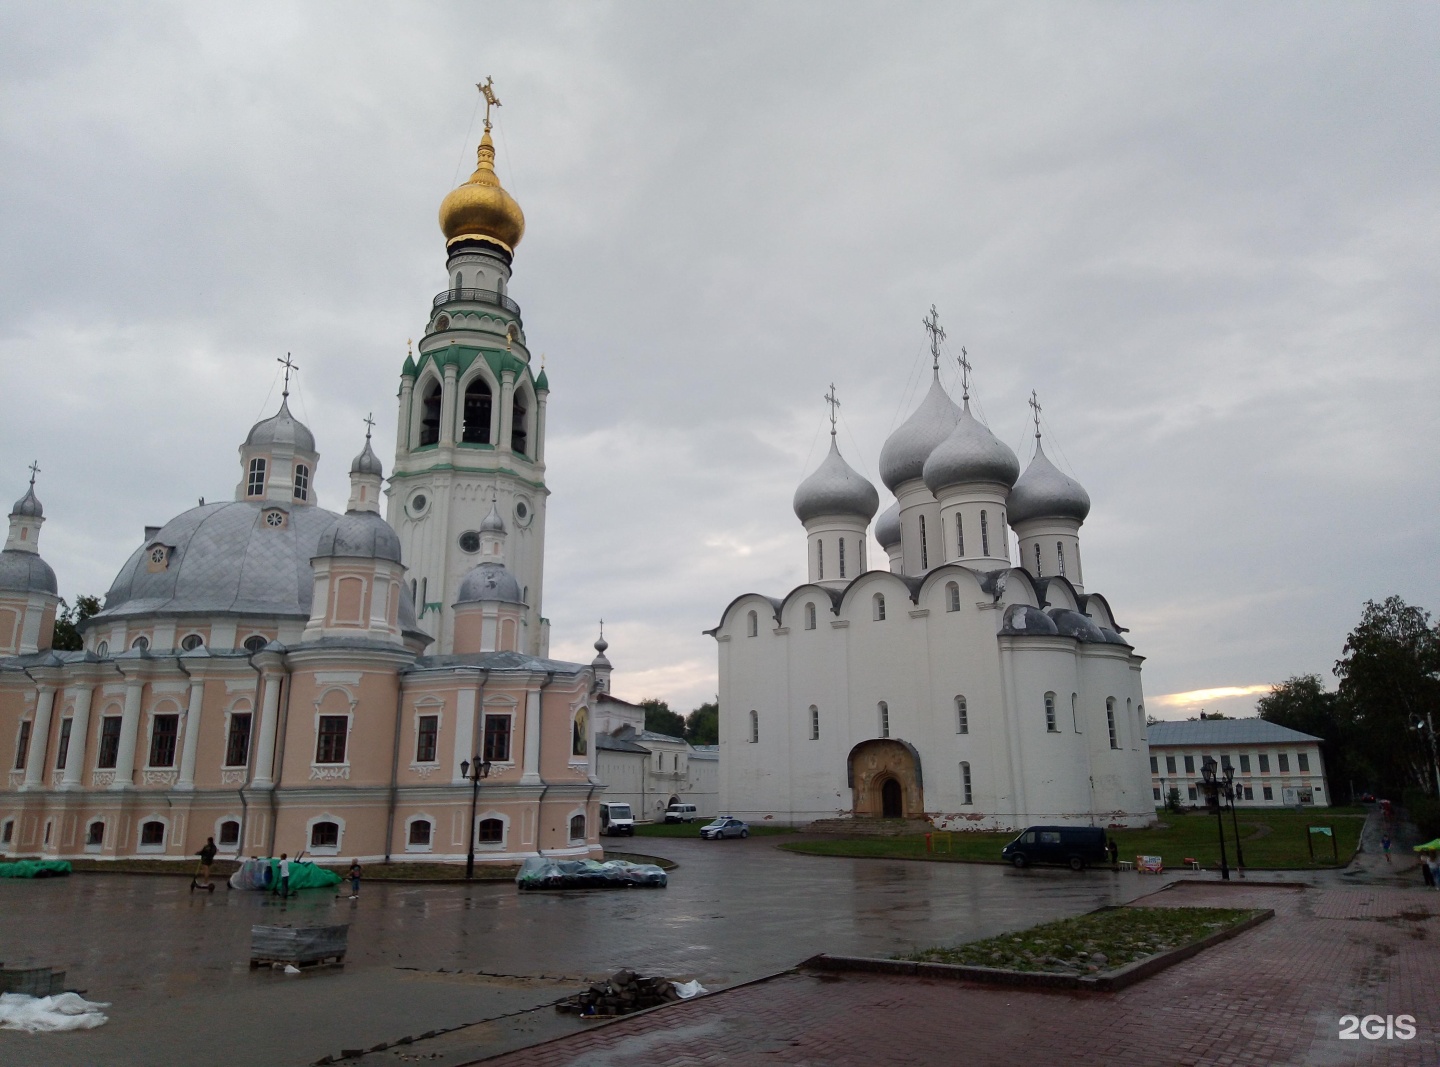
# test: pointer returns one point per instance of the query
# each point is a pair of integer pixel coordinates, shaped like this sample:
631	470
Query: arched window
491	832
965	784
152	833
102	649
191	642
842	557
1110	721
962	716
475	430
325	834
952	596
984	533
519	435
754	727
577	828
960	534
1060	555
459	282
1140	719
302	482
879	604
1050	726
1039	568
814	723
752	624
430	414
809	616
140	644
419	836
884	710
255	482
924	549
229	835
819	560
95	833
500	284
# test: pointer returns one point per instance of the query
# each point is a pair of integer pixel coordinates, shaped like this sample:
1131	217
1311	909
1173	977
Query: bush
1424	812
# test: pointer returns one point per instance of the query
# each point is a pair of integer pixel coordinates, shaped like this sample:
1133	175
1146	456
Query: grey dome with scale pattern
489	581
283	429
1044	491
887	526
835	488
362	534
367	462
970	453
25	572
906	450
29	505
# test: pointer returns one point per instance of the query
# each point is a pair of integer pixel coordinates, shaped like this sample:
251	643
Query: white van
681	813
617	819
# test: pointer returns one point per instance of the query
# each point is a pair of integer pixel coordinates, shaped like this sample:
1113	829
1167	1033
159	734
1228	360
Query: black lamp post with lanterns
1213	788
473	771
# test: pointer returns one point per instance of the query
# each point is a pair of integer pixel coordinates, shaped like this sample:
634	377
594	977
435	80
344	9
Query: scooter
194	885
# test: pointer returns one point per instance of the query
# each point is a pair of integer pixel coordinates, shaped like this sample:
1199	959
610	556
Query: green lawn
680	829
1270	839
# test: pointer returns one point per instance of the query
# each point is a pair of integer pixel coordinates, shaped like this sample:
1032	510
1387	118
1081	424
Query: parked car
681	813
1076	846
616	819
724	826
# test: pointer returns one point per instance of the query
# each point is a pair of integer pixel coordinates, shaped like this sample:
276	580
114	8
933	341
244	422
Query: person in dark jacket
207	859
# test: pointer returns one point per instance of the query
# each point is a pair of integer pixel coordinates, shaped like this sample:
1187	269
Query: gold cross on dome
487	90
834	402
1035	410
937	334
290	365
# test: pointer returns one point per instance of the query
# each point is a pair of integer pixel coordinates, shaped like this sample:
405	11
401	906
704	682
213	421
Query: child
354	879
284	887
1385	844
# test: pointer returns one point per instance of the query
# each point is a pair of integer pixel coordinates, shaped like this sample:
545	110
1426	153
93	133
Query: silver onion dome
906	450
971	453
489	581
887	527
28	505
25	572
835	489
362	534
284	429
367	462
1044	491
492	522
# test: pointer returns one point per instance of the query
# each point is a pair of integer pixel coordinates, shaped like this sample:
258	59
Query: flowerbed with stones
1101	941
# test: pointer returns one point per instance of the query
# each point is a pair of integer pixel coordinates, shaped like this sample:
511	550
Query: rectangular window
1302	761
1060	553
962	716
1189	764
984	533
1110	723
497	738
1192	792
1225	763
427	737
965	783
1169	764
302	482
842	557
109	742
1249	793
1154	764
22	745
819	561
1038	572
1266	792
255	484
1284	760
7	832
924	549
1244	764
62	752
330	742
884	719
1050	713
1264	763
814	723
1156	791
237	740
164	729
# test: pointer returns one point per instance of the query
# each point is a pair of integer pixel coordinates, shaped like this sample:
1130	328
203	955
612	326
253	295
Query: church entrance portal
885	780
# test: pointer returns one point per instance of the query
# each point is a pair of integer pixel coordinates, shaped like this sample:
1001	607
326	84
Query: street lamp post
473	771
1230	791
1212	799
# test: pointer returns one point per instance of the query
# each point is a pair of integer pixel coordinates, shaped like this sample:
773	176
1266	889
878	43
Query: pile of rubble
622	993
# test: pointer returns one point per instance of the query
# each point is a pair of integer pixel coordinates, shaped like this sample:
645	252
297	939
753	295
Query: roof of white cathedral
1045	491
887	526
1224	732
835	488
906	450
969	453
282	428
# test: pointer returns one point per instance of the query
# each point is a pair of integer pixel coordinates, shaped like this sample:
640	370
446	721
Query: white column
79	731
192	734
538	448
129	730
448	406
39	737
464	733
402	421
507	410
531	775
265	757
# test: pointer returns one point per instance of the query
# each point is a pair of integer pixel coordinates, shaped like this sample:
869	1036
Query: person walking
284	889
1425	871
207	858
354	879
1385	845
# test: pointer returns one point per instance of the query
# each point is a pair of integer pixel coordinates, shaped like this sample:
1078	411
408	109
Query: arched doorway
885	781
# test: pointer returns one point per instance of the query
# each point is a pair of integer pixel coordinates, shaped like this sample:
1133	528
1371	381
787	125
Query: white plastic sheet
690	989
43	1015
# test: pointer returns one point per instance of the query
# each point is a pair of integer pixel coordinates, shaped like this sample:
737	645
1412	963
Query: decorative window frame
877	607
325	850
417	414
497	706
492	846
580	704
164	706
98	846
570	837
430	704
324	771
239	837
434	829
140	823
241	705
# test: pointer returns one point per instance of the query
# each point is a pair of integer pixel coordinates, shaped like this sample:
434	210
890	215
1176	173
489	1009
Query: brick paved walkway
1272	996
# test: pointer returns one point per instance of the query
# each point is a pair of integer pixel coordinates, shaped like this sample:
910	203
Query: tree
1172	800
660	719
702	726
66	637
1301	703
1389	679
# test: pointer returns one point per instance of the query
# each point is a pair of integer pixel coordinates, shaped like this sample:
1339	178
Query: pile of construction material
622	993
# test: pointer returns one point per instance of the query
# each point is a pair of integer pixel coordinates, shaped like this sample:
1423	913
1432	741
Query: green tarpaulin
1429	846
36	869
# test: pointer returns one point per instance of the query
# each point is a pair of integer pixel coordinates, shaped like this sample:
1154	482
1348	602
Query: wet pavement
175	965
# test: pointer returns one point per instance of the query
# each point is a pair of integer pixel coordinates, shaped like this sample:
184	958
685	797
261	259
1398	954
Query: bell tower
471	425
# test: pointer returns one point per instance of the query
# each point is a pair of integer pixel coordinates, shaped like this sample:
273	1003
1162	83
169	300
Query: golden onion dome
481	209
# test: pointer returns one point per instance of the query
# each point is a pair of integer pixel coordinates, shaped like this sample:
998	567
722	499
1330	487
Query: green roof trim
400	476
463	356
408	370
542	383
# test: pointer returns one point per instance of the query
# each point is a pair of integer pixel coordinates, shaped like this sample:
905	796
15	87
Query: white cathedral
958	686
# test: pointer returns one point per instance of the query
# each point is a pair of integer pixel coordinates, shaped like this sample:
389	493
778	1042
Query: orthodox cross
34	470
487	90
290	365
937	334
1035	408
834	402
964	362
369	421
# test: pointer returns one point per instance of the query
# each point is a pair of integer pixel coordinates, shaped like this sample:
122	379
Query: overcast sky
1208	235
